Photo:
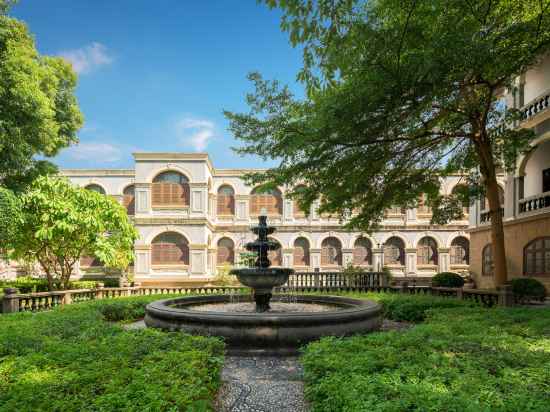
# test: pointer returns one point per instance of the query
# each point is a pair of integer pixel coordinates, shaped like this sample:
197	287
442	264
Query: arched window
271	201
331	252
485	203
394	251
427	251
362	252
536	257
487	260
170	189
226	201
275	256
301	252
170	248
460	188
226	251
298	211
95	188
460	251
129	200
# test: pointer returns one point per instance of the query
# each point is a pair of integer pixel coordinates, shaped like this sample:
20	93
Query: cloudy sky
155	76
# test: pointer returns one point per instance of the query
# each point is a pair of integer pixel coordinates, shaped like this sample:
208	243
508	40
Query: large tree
57	223
400	93
39	114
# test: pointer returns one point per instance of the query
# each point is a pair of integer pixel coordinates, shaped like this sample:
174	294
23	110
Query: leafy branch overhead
399	95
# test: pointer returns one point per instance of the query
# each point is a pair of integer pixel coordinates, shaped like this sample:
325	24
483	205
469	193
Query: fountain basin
262	280
268	332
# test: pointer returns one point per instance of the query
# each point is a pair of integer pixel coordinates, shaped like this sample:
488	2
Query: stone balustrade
536	202
536	106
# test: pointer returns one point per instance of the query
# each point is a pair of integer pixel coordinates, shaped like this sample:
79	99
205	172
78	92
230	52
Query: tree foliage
39	114
60	222
10	218
400	93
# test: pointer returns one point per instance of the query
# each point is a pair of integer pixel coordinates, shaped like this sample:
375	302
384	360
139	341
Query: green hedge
526	289
448	280
411	308
27	284
461	359
72	359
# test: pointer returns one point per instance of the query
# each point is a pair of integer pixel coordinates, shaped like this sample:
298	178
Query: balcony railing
536	106
485	217
531	203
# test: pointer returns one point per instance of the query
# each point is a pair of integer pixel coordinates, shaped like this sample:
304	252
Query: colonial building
193	218
525	192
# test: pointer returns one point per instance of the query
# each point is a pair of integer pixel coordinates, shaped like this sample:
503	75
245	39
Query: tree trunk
488	171
497	233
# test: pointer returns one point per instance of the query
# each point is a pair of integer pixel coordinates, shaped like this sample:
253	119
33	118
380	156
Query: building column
315	258
444	257
509	198
287	209
197	260
288	255
410	261
241	207
211	268
411	214
142	265
377	259
143	197
347	257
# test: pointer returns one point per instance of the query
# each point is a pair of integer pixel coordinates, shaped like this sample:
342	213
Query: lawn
460	358
75	358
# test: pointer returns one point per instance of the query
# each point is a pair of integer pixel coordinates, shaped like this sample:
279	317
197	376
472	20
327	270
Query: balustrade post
459	294
67	298
99	291
10	302
505	296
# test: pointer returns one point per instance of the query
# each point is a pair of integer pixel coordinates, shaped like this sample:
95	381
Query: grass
459	359
74	359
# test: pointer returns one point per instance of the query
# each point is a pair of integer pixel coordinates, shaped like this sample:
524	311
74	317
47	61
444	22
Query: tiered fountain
262	321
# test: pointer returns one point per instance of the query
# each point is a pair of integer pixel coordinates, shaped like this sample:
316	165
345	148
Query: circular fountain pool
283	329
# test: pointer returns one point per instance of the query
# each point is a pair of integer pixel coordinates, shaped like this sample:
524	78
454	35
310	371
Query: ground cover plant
74	358
459	359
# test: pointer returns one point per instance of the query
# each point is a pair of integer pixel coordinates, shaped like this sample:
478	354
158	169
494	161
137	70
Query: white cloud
195	132
88	58
94	152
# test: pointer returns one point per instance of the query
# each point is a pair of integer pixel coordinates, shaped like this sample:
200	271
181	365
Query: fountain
262	322
261	279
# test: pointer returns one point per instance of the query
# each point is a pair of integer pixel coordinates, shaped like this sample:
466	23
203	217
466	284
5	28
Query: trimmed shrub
71	359
462	359
448	280
410	308
27	284
527	289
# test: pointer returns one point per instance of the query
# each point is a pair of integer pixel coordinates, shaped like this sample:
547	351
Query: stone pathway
261	384
253	383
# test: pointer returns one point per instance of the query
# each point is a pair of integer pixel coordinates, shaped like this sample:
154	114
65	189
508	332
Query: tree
399	95
59	223
10	218
39	114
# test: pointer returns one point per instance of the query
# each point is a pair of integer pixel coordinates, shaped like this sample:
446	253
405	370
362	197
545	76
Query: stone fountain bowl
268	332
262	280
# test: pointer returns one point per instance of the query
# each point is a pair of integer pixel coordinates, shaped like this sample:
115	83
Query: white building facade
193	218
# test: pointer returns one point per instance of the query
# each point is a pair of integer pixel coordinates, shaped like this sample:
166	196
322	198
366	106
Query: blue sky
155	76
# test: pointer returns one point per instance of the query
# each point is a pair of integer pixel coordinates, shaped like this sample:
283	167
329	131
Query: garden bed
459	359
74	358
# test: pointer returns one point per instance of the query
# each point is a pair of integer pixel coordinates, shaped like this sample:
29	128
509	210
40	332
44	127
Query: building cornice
173	156
97	172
